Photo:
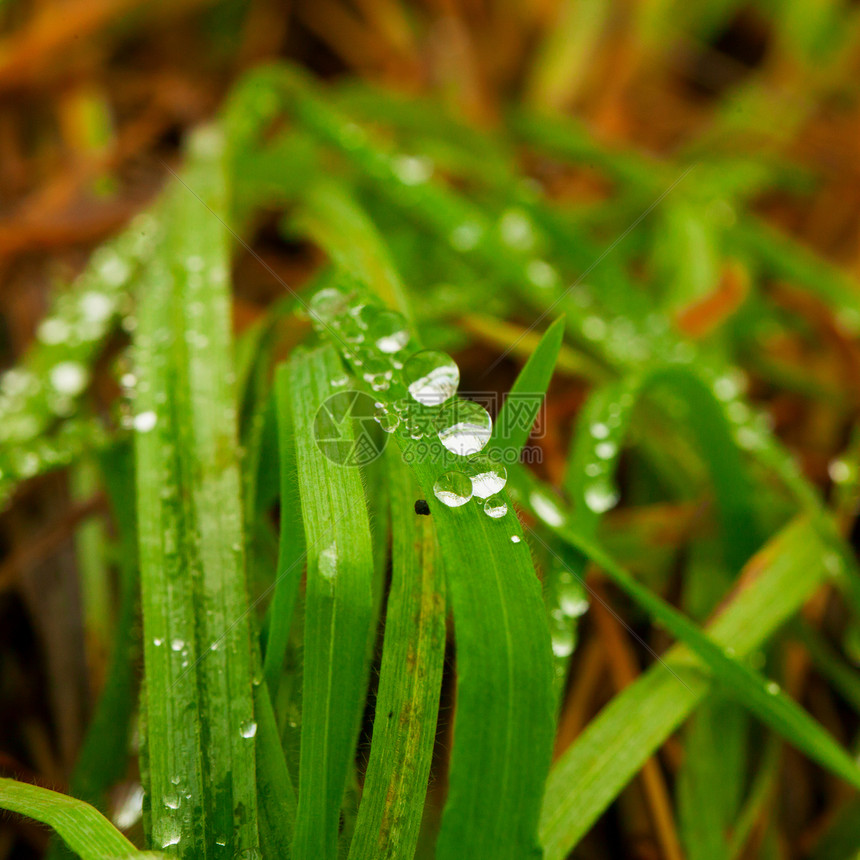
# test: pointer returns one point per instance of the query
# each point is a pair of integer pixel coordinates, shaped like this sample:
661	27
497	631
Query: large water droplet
453	489
496	507
464	427
488	478
387	329
248	729
431	377
387	419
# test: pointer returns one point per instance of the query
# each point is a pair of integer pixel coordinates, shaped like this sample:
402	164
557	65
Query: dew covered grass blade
395	784
198	679
338	609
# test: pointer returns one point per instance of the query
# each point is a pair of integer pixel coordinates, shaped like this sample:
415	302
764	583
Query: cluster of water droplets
420	395
45	391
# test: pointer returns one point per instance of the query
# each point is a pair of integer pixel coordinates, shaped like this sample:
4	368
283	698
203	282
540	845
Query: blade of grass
199	706
395	785
291	547
337	611
84	829
523	402
593	770
503	720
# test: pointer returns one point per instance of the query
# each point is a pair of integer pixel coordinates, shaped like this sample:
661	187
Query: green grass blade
337	613
392	804
198	697
84	829
763	698
521	406
594	769
291	548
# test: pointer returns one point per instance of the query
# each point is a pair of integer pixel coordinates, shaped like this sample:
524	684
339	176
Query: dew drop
465	236
172	801
496	507
840	471
773	688
605	450
145	421
464	427
413	169
387	329
599	430
177	644
389	421
516	230
326	305
69	377
453	489
157	642
546	508
541	274
431	377
248	729
53	331
515	538
488	478
600	496
96	307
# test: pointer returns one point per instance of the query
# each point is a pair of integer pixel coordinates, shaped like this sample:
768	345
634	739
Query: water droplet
177	644
840	471
145	421
387	329
541	274
599	430
496	507
328	562
172	801
593	328
157	642
69	377
563	639
248	729
96	307
389	421
488	478
515	538
167	832
464	427
431	377
327	305
413	169
773	688
465	236
546	508
600	496
606	450
53	330
516	230
453	489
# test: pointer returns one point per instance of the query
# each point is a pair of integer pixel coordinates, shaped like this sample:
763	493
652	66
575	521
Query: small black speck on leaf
421	507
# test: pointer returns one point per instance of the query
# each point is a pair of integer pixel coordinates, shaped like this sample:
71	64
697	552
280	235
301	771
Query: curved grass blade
395	785
763	698
84	829
337	611
522	404
198	699
594	769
